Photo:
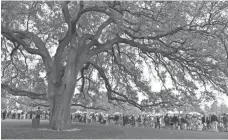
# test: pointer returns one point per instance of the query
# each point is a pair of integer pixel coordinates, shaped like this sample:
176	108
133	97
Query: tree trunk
60	95
60	112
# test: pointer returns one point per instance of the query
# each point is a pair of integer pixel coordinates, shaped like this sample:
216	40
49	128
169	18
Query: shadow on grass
23	130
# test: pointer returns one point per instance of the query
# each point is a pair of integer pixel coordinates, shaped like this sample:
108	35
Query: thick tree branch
169	33
72	105
4	68
12	37
97	9
14	49
67	38
87	107
18	36
102	27
26	64
77	16
117	61
83	77
103	47
17	92
123	98
66	12
31	103
144	47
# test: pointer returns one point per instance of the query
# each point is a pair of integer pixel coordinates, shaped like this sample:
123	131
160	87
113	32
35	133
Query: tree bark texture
60	92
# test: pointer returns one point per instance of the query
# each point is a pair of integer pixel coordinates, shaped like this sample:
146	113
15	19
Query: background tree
73	42
223	108
206	109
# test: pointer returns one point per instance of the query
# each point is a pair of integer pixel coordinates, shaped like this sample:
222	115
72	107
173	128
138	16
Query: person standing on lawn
204	123
30	114
9	113
45	115
179	122
157	122
124	119
18	114
133	120
38	113
167	120
175	121
225	121
14	114
139	121
144	120
26	114
184	123
208	120
4	114
194	122
214	122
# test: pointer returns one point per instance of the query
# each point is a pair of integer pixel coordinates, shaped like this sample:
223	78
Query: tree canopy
181	42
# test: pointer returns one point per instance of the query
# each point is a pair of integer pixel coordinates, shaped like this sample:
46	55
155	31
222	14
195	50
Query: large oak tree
73	42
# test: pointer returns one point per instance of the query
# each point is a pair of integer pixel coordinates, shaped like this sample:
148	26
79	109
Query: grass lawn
153	133
21	129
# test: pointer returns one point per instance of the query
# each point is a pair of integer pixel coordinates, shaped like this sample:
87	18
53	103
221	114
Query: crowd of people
210	122
21	114
184	122
180	121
